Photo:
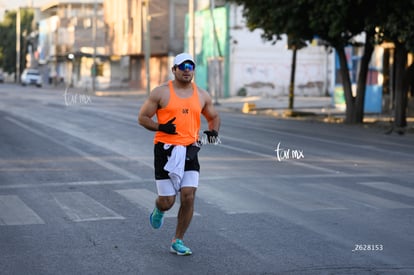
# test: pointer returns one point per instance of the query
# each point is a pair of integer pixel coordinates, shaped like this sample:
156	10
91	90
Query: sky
14	4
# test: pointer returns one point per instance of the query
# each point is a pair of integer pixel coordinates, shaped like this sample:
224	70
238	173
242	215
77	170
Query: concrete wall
263	68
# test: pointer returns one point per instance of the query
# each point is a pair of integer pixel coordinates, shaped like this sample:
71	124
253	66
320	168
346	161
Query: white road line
253	199
295	197
98	161
332	140
274	158
389	187
232	202
13	211
151	180
79	207
360	197
74	183
146	199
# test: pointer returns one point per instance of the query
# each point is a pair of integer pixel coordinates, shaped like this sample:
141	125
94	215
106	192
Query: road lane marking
360	197
294	196
335	142
389	187
73	183
203	178
146	199
248	198
231	200
13	211
83	134
274	158
98	161
79	207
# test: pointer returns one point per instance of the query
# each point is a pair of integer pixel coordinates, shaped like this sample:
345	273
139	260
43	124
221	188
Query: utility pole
18	34
191	38
146	20
94	29
216	62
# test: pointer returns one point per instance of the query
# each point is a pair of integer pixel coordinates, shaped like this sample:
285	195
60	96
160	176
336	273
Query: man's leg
185	214
164	203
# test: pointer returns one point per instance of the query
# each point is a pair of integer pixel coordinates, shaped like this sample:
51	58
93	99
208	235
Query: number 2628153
368	247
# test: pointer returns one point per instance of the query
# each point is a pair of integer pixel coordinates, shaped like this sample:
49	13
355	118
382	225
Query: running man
178	105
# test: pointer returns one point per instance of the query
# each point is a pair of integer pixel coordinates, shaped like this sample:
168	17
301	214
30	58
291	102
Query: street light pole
147	45
215	62
191	17
94	28
18	34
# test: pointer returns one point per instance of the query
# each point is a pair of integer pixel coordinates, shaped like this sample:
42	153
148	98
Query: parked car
1	77
31	77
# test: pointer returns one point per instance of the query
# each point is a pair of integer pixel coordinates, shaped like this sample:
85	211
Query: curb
120	93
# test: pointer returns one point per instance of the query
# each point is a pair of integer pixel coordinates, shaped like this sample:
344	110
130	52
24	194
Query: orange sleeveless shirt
187	112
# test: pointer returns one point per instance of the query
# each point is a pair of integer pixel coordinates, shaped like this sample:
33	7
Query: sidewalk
260	104
121	92
314	108
278	106
115	92
306	108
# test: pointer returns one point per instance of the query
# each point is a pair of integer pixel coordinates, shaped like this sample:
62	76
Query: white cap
182	57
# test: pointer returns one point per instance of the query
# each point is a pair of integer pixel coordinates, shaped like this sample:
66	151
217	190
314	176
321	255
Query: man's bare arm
210	113
148	110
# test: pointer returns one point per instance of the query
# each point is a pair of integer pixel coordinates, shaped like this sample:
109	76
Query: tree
294	44
339	24
8	41
275	23
336	22
397	26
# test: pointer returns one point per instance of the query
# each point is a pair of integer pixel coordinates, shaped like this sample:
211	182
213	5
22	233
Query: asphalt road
275	197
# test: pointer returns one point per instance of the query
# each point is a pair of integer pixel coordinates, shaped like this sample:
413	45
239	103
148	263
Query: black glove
211	136
168	127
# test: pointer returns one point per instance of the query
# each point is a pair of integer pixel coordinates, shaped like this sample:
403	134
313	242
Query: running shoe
156	218
178	247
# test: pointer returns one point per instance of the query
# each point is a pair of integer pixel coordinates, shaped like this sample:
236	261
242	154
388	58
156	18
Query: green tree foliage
275	23
398	27
8	42
276	18
338	23
8	39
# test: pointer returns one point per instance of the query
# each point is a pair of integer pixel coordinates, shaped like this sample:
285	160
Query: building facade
71	34
131	34
139	28
233	60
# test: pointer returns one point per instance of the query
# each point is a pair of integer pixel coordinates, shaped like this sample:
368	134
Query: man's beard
185	79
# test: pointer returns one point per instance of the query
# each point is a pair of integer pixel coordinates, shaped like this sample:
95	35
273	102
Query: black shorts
161	158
